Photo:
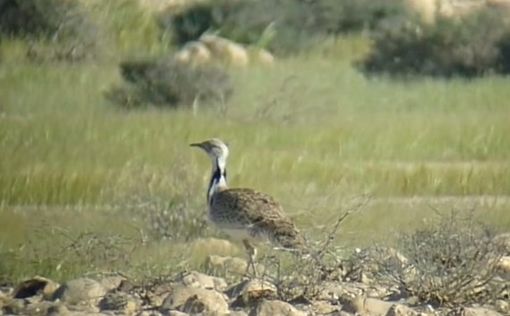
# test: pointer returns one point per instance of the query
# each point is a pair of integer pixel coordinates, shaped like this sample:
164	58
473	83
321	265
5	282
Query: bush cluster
63	23
291	25
469	46
167	83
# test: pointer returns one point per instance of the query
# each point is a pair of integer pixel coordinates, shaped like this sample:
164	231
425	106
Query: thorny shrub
57	29
167	83
449	263
468	46
286	26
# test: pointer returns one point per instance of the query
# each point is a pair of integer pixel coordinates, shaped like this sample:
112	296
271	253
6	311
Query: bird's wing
259	211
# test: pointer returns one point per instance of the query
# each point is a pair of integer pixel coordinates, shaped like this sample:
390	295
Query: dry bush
57	29
60	254
450	263
286	26
468	46
301	274
171	84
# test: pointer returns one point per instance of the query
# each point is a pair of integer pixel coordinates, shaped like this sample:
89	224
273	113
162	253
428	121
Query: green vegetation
80	178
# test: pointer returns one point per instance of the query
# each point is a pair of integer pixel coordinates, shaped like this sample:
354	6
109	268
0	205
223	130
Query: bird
245	214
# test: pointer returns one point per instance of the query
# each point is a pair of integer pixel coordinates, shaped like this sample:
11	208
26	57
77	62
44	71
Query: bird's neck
219	178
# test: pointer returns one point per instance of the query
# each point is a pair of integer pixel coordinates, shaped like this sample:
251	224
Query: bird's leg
252	253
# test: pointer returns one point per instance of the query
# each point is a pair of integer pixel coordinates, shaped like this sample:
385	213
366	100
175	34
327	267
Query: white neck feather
218	178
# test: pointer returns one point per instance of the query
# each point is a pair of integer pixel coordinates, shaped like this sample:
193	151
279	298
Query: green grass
311	130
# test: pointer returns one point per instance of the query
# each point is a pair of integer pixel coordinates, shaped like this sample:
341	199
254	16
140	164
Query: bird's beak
196	145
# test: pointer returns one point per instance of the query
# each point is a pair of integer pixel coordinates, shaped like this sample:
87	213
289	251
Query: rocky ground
195	293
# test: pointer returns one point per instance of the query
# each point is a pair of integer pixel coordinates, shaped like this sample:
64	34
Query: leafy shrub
294	24
61	22
470	46
170	83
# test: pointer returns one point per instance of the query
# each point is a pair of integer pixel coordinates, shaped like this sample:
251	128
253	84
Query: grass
311	130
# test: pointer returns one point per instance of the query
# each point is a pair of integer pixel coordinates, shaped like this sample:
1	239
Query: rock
251	291
503	267
231	265
237	313
82	291
503	240
362	305
112	282
324	308
58	310
195	300
156	313
40	308
13	306
401	310
204	281
502	306
269	308
176	313
119	301
34	286
478	311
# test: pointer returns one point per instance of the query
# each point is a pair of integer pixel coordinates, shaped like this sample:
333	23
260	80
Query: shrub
170	83
61	22
469	46
452	263
296	24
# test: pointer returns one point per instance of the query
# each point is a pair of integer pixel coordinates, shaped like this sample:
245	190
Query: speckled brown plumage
245	214
258	214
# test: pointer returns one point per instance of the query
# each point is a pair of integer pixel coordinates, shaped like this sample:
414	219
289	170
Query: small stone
479	311
374	306
401	310
502	306
251	291
34	286
196	300
324	308
204	281
176	313
503	267
119	301
58	310
152	313
112	282
80	291
269	308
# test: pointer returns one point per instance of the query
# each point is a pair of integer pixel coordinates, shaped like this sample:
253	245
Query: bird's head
216	149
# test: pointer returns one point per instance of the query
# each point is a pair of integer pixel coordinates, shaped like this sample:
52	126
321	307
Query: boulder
269	308
195	300
199	280
81	291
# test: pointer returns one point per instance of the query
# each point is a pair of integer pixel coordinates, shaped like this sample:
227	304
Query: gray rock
503	240
83	291
362	305
120	302
502	306
324	308
195	300
269	308
204	281
251	291
479	311
401	310
34	286
151	313
111	282
175	313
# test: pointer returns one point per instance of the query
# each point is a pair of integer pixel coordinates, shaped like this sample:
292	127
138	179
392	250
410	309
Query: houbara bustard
245	214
